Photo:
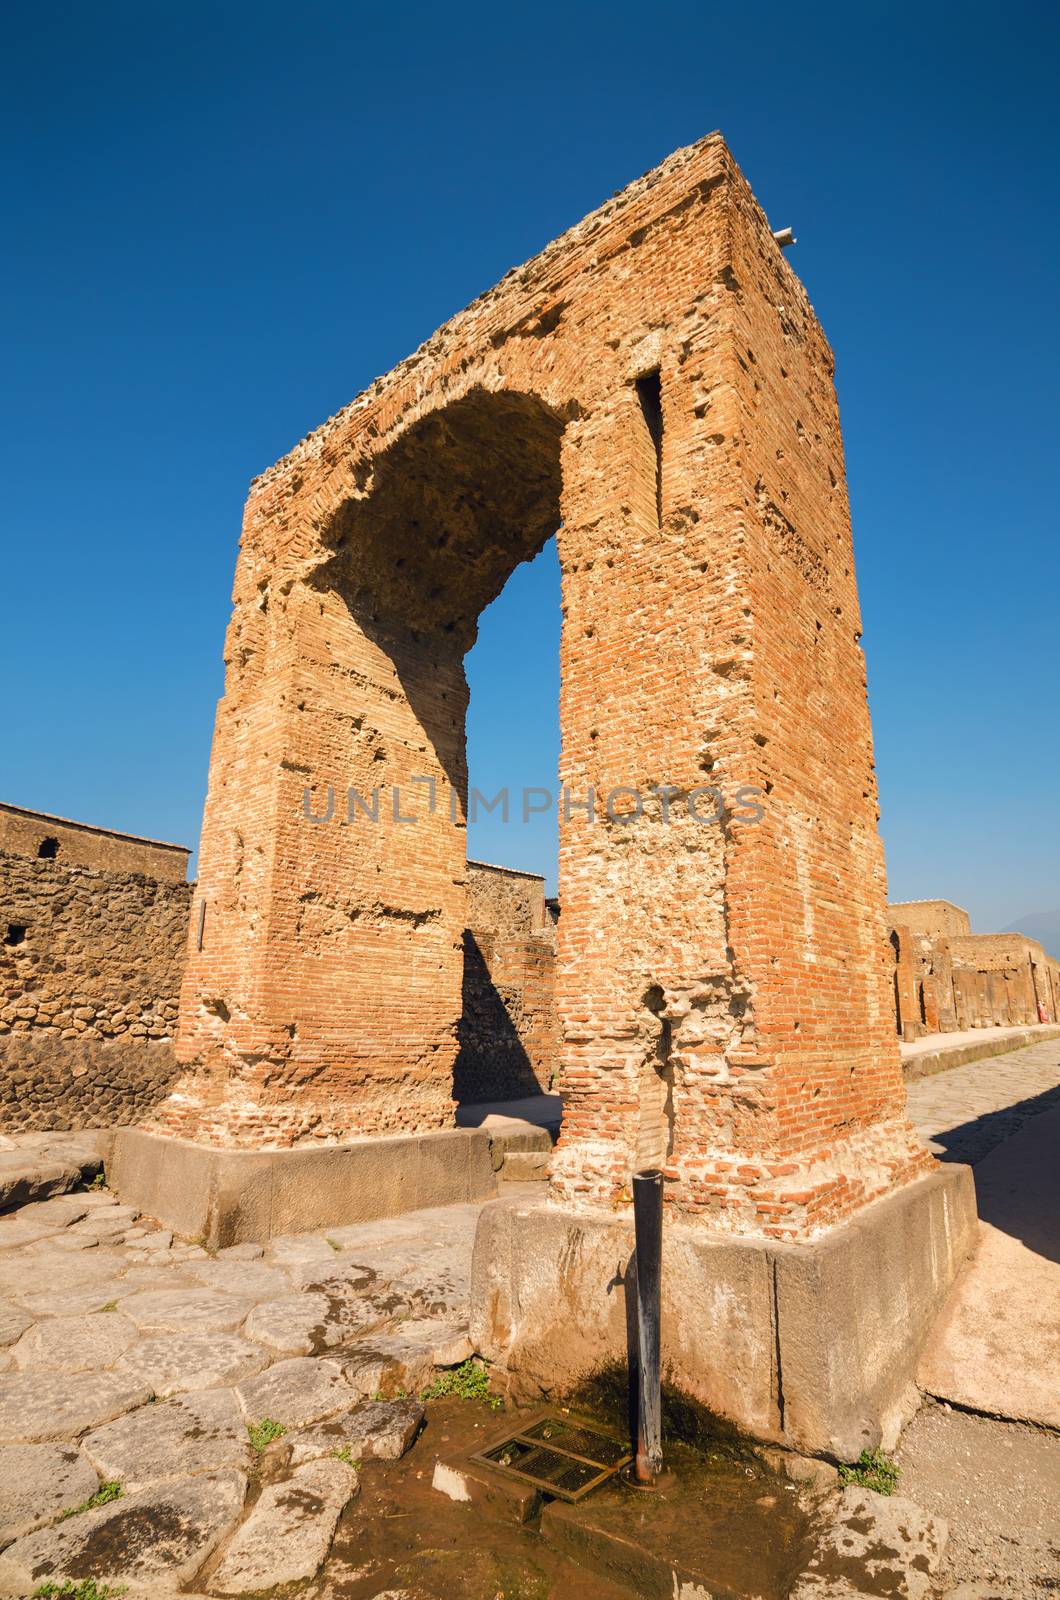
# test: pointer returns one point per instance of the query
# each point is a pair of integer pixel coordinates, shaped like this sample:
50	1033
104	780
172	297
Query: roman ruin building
654	390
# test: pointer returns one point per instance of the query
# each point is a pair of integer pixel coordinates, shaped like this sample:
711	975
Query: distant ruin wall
90	967
508	1028
951	983
935	918
40	836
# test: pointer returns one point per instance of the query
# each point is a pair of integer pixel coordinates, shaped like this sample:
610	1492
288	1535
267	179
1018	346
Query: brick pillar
725	990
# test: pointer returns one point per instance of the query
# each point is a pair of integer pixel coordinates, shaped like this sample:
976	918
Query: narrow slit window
649	393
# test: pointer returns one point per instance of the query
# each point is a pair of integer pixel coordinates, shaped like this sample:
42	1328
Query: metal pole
647	1222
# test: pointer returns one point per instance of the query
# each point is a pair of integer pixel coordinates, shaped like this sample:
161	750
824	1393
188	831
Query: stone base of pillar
812	1346
224	1197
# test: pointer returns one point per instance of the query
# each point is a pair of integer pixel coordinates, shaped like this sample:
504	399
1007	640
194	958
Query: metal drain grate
562	1459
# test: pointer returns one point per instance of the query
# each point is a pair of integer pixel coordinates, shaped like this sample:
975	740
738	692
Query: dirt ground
998	1486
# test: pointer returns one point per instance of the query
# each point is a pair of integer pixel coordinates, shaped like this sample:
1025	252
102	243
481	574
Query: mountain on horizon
1041	925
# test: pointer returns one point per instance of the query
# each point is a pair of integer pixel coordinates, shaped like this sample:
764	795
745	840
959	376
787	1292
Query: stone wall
508	1030
91	958
947	979
935	918
42	837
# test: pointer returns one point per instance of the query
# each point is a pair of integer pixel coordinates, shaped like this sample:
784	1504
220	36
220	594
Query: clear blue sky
223	221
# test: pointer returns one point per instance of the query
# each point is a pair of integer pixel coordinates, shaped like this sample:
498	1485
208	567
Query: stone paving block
75	1344
289	1532
177	1310
62	1210
164	1533
80	1301
195	1433
297	1248
296	1392
381	1430
241	1252
37	1482
175	1363
874	1545
251	1279
293	1325
33	1406
25	1178
388	1364
13	1322
146	1274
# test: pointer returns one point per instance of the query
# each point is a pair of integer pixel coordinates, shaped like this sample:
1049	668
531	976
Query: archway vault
656	386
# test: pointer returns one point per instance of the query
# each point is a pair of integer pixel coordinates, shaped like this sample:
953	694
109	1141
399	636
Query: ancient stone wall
42	837
508	1031
935	918
90	966
947	979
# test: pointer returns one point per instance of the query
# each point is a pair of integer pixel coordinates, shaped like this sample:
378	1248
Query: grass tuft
872	1470
264	1432
102	1497
471	1381
344	1453
78	1589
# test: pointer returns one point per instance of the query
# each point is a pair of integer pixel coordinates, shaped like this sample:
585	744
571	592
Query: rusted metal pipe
647	1223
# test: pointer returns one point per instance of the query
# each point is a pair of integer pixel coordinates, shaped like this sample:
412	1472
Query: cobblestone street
965	1112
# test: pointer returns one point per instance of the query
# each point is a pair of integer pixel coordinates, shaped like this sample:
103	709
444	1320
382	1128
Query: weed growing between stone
71	1589
102	1497
345	1454
264	1432
471	1381
872	1470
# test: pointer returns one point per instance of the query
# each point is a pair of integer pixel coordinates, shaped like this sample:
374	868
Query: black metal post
647	1222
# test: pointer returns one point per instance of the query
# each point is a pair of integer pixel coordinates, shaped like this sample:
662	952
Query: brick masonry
655	386
93	937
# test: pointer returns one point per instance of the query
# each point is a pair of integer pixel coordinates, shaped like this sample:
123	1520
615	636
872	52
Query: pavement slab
29	1177
874	1545
251	1279
37	1482
289	1532
293	1325
394	1364
996	1346
33	1406
296	1392
380	1430
13	1322
182	1310
166	1532
175	1363
75	1344
194	1433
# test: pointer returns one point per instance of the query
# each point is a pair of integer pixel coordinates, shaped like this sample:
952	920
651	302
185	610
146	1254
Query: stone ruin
654	390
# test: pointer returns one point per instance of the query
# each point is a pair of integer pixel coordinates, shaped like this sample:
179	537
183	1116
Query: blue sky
223	221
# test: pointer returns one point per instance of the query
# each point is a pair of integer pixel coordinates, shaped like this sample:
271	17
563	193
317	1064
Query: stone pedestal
811	1345
226	1197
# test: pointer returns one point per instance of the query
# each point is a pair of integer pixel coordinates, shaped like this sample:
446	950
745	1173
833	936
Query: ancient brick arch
655	382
